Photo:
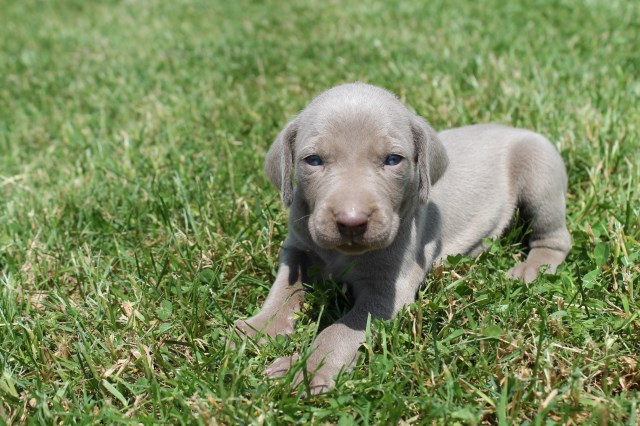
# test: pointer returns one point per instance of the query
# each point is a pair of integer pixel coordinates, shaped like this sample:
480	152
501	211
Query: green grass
136	223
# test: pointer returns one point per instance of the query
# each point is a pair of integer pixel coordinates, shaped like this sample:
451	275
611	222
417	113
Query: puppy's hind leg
541	181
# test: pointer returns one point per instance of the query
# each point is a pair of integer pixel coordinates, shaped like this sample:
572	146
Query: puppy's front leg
277	315
336	347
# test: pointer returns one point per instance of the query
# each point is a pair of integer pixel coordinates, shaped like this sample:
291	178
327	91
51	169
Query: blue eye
313	160
393	160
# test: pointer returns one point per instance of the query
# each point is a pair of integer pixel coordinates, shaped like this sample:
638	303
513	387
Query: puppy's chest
336	267
350	269
344	271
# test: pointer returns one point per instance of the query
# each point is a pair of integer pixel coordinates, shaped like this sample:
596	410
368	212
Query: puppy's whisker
302	218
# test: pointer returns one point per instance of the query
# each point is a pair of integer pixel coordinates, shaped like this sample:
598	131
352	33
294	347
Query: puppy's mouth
379	233
357	246
352	248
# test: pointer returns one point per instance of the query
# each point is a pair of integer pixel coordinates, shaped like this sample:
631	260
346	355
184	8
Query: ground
136	224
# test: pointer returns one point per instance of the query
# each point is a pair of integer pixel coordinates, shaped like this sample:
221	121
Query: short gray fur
386	225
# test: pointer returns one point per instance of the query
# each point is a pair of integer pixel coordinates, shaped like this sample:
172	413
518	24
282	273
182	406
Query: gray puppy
379	197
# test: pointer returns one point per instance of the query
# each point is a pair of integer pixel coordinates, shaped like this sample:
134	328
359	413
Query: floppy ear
279	161
431	156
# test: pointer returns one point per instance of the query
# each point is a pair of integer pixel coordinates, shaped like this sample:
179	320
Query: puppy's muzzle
352	224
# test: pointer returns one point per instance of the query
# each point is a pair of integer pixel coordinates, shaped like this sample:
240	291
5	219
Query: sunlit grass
136	223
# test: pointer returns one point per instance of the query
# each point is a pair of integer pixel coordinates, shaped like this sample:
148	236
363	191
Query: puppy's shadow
327	300
518	233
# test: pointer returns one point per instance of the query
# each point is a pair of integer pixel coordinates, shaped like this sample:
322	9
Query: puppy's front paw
322	381
245	328
320	376
263	326
281	366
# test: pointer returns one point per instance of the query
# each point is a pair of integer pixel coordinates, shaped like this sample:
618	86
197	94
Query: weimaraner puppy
377	197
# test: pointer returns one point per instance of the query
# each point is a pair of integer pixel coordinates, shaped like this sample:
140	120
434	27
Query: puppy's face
362	162
358	176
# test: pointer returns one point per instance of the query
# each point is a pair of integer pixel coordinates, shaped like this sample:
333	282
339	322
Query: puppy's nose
352	223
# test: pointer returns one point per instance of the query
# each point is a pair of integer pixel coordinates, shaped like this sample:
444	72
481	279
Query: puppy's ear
431	156
279	162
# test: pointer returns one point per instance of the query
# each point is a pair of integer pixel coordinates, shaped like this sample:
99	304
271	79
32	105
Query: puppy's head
361	161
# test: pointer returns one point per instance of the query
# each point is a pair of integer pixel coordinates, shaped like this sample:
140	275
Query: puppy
379	196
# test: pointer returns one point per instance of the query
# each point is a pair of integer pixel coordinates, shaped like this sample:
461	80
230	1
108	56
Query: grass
136	223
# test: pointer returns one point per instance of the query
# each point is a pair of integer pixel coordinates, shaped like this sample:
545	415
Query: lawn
136	223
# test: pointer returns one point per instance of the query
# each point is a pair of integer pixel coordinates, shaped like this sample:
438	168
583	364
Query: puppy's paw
281	366
264	327
528	271
243	328
524	271
322	381
320	377
538	258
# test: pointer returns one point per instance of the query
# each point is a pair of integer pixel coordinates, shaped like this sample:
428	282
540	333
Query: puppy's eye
313	160
393	160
